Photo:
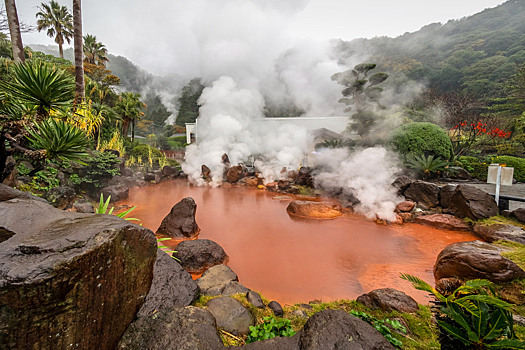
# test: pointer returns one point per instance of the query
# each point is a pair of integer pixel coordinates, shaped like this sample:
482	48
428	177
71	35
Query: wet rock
255	299
304	177
388	300
276	308
402	183
277	343
7	193
117	193
405	207
180	222
234	288
169	172
447	286
234	173
446	194
422	192
60	197
471	260
198	255
126	181
284	184
250	181
206	172
126	172
231	315
72	262
336	329
406	217
518	214
443	222
456	172
225	159
186	328
469	201
315	210
496	232
171	287
150	177
215	279
83	207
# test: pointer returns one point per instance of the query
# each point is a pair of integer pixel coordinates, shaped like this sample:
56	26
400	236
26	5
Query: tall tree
94	52
14	30
129	108
79	63
58	22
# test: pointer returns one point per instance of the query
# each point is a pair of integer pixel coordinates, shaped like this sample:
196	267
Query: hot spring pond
298	260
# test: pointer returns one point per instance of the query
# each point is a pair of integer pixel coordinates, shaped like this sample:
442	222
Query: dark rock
519	214
234	173
423	192
188	328
60	197
402	183
149	177
206	172
299	313
469	201
443	222
81	276
225	159
314	210
231	315
499	231
7	193
283	184
304	177
127	172
405	207
126	181
83	207
117	193
255	299
215	279
250	181
471	260
447	286
456	172
506	213
180	222
234	288
198	255
388	300
170	172
158	176
336	329
277	343
171	287
276	308
446	194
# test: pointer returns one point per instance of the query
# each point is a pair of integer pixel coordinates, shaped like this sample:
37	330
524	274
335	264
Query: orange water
298	260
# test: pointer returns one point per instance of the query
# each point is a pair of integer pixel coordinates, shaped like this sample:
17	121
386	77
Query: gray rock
469	201
443	222
215	279
234	288
446	194
422	192
170	172
117	193
496	232
276	308
518	214
126	172
231	315
456	172
388	300
402	183
299	313
180	222
7	193
198	255
255	299
188	328
83	207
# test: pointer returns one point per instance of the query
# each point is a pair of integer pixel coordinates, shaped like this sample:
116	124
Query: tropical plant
474	315
426	166
270	328
166	249
60	140
101	167
38	85
129	108
103	209
336	144
384	327
58	22
94	52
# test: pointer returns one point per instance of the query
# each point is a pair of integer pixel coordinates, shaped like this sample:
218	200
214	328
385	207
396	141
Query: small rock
198	255
519	214
215	279
83	207
205	172
234	173
276	308
469	201
388	300
405	207
231	315
234	287
401	183
299	313
499	231
117	193
255	299
443	221
446	194
60	197
8	193
447	286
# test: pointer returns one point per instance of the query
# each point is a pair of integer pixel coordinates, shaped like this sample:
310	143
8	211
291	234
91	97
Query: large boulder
476	259
401	184
70	278
188	328
443	222
304	177
180	222
170	172
171	287
314	210
231	315
215	279
422	192
61	197
234	173
496	232
469	201
446	194
518	214
388	300
117	193
7	193
199	255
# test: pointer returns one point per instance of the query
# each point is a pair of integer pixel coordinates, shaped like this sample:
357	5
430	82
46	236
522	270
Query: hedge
422	139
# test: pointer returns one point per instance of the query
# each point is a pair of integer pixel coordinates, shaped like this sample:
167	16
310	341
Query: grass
498	219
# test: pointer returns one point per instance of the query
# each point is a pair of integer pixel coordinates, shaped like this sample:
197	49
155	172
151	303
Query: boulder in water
315	210
180	222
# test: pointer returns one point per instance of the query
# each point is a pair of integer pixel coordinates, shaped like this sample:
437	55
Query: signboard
507	175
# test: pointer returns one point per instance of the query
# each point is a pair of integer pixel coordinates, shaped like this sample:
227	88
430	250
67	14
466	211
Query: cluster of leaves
103	209
427	167
422	139
44	180
384	327
477	167
474	314
480	128
99	168
270	328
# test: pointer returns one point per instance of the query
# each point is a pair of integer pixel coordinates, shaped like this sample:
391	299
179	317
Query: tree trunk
3	157
79	64
132	130
125	126
60	51
14	30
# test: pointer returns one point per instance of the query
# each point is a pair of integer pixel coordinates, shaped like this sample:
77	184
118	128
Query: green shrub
422	139
270	328
101	167
476	167
180	139
517	163
144	152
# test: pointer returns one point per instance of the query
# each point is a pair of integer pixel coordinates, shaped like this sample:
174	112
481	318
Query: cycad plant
427	167
60	140
474	315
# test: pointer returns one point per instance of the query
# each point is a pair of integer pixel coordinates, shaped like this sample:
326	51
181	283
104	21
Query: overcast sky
169	35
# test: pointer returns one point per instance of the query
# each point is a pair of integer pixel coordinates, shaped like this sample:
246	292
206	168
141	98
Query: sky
165	36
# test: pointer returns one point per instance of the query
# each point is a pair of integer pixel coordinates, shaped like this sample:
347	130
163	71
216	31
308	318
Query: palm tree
129	108
14	30
79	64
58	22
94	52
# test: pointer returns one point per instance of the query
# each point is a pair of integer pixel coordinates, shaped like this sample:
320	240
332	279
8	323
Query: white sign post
500	175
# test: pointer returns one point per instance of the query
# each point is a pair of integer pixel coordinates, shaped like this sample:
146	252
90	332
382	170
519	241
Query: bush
270	328
476	167
101	167
418	139
517	163
144	152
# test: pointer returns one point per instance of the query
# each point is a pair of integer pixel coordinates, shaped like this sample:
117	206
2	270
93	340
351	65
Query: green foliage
474	166
384	327
60	140
145	153
100	167
421	139
103	209
474	315
45	179
478	167
57	20
166	249
270	328
336	144
188	102
426	167
156	110
517	163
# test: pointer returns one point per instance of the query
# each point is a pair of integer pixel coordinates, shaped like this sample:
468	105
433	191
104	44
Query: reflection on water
292	260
